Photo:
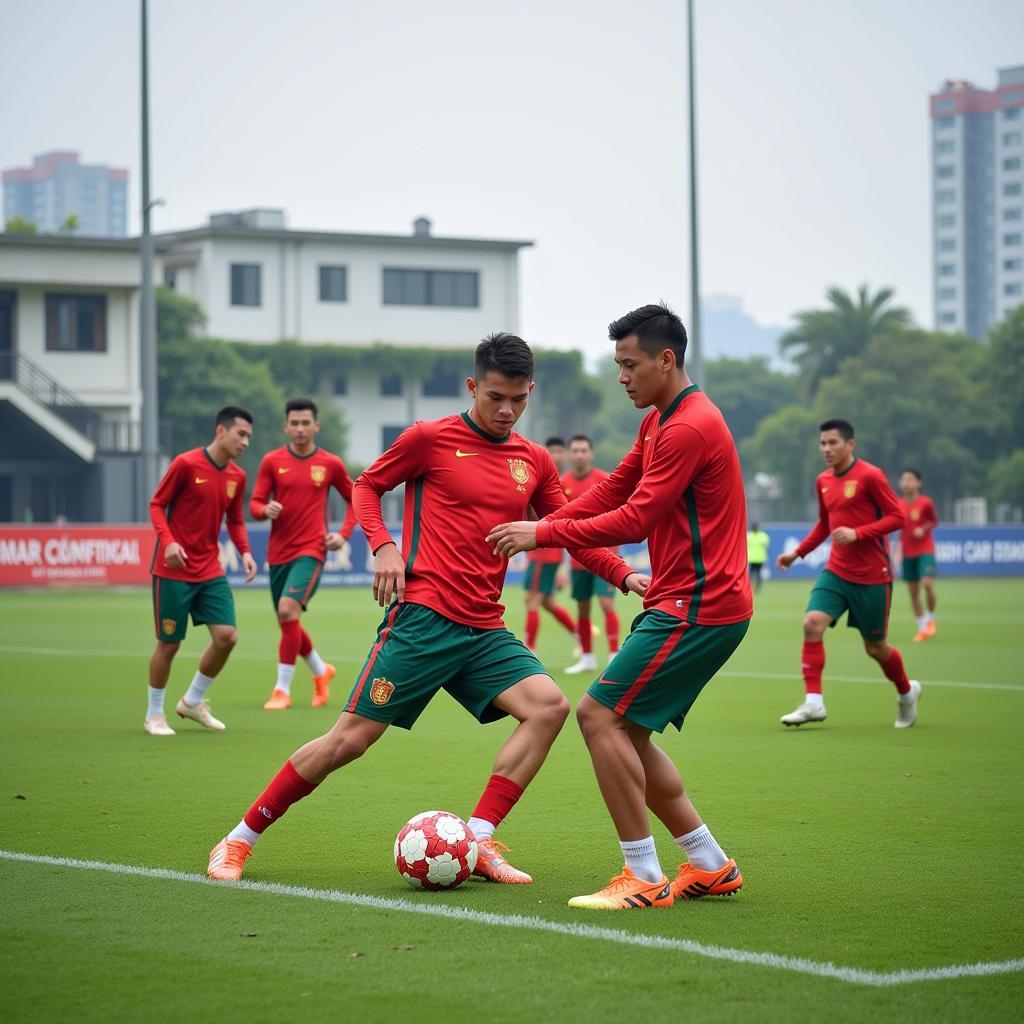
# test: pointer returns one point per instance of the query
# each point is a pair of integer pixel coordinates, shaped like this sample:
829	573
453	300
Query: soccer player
917	544
198	490
542	571
681	489
444	628
758	543
582	475
292	488
857	509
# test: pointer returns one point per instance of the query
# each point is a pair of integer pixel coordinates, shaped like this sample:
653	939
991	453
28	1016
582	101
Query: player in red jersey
681	489
917	547
582	475
444	629
198	490
858	510
544	570
292	488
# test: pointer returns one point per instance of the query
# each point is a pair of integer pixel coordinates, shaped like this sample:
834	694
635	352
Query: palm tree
823	338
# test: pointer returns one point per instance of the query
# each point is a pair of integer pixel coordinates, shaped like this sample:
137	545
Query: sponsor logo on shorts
168	626
381	690
319	474
520	473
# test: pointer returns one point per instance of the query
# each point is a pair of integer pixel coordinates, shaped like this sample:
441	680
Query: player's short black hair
754	527
910	469
845	428
581	437
506	354
226	417
554	440
656	328
301	405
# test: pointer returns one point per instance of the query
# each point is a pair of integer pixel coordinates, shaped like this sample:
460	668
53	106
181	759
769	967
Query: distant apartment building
978	202
259	281
57	186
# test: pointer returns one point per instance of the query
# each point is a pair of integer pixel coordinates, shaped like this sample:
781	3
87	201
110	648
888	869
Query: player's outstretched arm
162	499
818	535
261	493
237	531
610	493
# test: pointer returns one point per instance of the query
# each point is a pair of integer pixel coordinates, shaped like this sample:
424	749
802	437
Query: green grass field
861	846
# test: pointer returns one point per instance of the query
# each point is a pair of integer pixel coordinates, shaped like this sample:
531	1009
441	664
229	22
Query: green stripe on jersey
700	572
416	507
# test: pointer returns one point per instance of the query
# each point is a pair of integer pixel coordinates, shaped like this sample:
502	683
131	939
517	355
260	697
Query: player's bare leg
541	709
929	595
193	705
159	672
909	690
621	778
707	870
349	738
812	664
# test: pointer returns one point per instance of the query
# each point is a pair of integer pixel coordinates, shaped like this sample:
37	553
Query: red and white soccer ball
435	850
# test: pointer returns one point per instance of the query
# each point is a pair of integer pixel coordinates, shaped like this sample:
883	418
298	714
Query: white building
978	202
70	399
258	281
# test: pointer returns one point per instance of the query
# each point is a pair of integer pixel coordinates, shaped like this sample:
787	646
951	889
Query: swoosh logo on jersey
283	469
460	454
201	479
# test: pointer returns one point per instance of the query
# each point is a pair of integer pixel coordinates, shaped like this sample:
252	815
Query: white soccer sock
929	616
284	677
243	832
315	662
156	702
642	858
922	622
814	699
197	691
481	827
701	849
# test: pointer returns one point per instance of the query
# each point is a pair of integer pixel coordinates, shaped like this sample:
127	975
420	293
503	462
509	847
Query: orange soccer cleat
227	859
279	701
491	865
920	636
322	684
627	892
692	884
929	628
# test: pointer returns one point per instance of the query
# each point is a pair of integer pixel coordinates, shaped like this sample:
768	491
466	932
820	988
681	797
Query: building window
170	278
947	146
245	284
941	106
947	270
945	122
442	384
947	318
947	220
1012	264
1011	138
391	385
945	196
945	171
1011	213
1012	288
388	436
1011	163
947	245
1013	239
431	287
1013	114
1011	188
76	323
333	284
340	383
947	294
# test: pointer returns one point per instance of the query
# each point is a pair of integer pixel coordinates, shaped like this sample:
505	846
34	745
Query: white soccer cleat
906	716
157	726
805	713
199	713
587	663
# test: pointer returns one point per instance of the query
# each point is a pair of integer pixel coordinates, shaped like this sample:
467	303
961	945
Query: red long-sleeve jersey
860	498
188	507
574	486
681	489
460	483
919	513
302	484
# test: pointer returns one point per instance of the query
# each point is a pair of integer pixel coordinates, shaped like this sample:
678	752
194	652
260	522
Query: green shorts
867	603
209	603
664	664
586	585
297	579
918	567
540	576
419	652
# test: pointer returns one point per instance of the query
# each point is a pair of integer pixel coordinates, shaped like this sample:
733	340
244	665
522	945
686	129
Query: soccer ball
435	850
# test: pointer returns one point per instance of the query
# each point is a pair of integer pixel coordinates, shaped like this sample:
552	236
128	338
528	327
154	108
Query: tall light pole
147	309
694	362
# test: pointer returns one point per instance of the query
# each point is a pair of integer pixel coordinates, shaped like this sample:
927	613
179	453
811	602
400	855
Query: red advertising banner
41	555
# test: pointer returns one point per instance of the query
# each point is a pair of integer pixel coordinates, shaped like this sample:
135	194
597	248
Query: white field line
798	965
93	652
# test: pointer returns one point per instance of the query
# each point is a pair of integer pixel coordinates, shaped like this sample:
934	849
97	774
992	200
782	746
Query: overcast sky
560	121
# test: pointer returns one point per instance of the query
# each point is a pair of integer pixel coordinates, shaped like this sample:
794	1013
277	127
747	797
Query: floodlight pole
147	312
694	362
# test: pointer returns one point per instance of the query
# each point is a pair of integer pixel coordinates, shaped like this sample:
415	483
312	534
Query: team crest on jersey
849	488
381	690
519	472
168	626
915	514
232	487
319	474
